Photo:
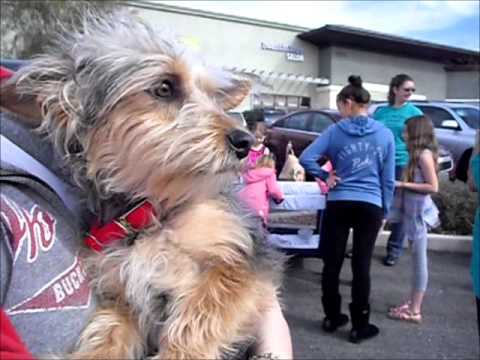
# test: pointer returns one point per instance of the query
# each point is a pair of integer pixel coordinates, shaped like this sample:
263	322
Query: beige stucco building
298	67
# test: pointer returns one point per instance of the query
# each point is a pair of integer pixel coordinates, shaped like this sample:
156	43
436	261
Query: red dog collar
126	225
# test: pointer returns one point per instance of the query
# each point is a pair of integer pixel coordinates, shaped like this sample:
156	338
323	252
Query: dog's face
168	127
146	119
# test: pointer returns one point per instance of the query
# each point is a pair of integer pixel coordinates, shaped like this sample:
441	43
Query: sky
454	23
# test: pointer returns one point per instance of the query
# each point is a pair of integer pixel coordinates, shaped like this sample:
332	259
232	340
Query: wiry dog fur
197	282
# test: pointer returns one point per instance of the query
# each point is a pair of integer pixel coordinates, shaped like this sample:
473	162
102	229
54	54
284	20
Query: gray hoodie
43	287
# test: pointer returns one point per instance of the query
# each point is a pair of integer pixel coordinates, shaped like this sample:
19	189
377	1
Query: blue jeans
397	236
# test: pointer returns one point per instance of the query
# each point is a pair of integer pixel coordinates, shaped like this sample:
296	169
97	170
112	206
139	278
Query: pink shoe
400	308
406	315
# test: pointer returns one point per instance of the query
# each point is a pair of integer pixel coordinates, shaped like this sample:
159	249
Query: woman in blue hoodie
362	152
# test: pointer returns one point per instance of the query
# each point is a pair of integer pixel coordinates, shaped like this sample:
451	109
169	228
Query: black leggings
340	216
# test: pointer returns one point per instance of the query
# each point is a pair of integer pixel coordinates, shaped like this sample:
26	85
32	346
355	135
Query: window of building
280	101
268	100
257	101
305	102
293	102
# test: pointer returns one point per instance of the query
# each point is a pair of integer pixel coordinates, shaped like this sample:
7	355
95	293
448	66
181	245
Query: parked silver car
301	128
455	125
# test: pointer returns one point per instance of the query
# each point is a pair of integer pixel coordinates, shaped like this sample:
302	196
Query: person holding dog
394	116
361	189
474	186
45	297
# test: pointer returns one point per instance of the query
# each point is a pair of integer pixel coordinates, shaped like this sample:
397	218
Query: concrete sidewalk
448	331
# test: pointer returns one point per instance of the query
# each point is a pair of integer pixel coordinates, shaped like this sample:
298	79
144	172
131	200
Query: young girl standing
418	213
258	150
260	185
360	192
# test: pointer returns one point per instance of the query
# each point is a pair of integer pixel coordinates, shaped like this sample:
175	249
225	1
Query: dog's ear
50	81
234	93
26	107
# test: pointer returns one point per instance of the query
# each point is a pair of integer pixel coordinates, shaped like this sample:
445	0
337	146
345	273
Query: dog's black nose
240	141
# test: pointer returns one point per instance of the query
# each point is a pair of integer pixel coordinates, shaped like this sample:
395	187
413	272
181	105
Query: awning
331	35
273	75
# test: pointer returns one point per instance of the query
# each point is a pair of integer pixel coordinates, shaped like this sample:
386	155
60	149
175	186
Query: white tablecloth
295	241
300	196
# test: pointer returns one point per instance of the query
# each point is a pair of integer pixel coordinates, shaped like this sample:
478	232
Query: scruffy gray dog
138	119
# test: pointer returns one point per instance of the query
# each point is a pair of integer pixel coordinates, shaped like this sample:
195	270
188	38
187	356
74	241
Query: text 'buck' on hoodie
362	152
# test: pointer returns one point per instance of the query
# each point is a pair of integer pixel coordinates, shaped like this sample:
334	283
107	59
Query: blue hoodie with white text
362	152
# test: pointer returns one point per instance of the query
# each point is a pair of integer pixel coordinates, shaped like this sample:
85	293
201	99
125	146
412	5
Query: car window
437	115
272	115
280	123
298	121
470	116
320	122
237	116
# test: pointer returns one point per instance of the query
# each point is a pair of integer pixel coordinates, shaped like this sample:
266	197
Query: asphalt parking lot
448	331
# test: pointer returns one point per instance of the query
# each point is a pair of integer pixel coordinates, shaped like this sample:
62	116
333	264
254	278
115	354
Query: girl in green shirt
394	117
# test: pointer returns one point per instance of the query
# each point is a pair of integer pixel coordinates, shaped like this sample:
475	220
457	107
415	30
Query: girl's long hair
421	136
396	82
266	161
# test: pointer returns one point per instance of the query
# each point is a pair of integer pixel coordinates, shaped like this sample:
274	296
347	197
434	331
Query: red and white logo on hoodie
33	235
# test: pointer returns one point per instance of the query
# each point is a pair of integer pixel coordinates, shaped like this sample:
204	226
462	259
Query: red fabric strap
5	73
130	223
11	345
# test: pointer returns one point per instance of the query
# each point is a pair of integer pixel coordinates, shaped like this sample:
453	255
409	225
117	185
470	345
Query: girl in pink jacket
260	184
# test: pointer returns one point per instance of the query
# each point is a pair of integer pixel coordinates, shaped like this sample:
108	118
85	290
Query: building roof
153	5
338	35
374	41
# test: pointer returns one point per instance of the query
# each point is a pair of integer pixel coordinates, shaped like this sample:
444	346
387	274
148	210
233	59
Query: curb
436	242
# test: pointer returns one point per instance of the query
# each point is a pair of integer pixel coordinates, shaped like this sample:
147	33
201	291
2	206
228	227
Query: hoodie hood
359	125
256	175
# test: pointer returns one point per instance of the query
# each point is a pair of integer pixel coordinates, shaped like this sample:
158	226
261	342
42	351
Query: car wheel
461	171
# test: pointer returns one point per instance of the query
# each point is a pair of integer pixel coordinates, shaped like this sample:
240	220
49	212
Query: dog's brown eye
165	90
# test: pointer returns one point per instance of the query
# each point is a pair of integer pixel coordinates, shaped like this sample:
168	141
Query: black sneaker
330	325
389	260
358	335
